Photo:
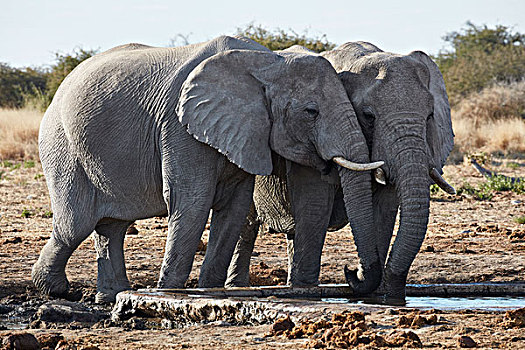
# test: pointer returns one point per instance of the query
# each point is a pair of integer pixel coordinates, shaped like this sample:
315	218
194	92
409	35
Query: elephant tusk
440	181
379	176
357	166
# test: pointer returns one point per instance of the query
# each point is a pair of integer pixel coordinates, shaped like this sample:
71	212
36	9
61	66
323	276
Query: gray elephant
138	131
403	111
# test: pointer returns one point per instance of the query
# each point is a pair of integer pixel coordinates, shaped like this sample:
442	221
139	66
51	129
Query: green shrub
279	39
26	213
520	219
496	183
29	164
16	84
65	63
502	183
482	194
34	88
481	56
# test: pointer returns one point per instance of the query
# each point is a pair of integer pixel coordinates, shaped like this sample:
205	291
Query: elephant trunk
412	187
346	141
358	201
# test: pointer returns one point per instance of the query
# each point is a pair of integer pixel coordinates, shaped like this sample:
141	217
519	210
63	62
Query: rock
465	341
514	318
132	230
282	325
201	248
49	340
415	320
63	311
429	249
13	240
63	345
516	202
26	341
5	309
405	339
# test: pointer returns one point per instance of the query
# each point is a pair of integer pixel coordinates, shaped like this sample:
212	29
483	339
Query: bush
16	84
279	39
64	65
33	88
481	56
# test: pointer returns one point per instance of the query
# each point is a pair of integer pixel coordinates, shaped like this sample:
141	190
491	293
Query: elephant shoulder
128	47
359	48
298	49
237	42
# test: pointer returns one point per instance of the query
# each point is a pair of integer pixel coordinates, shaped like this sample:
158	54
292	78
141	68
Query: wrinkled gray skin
138	131
403	111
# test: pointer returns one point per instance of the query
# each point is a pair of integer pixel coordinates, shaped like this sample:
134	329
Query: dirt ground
467	241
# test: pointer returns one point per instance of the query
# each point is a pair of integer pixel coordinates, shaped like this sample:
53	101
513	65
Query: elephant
403	111
139	131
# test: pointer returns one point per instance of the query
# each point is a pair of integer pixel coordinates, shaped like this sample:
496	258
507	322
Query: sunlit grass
19	134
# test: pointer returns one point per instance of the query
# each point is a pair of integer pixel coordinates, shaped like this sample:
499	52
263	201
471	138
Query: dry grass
492	120
19	133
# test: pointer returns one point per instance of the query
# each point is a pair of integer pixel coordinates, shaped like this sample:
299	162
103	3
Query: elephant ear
223	105
440	135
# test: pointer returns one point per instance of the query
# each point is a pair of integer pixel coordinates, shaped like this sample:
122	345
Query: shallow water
481	303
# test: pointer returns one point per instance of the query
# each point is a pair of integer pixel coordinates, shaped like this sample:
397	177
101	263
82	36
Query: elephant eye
312	109
369	115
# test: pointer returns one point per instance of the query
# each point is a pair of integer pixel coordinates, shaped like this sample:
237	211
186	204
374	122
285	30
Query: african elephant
139	131
403	111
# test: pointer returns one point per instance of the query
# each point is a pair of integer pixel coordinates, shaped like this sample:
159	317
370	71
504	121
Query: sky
33	31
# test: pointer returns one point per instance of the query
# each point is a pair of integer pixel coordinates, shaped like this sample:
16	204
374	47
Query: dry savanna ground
477	235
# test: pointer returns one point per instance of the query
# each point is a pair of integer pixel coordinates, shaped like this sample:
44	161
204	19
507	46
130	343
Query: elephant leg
386	205
228	218
74	219
186	223
239	269
312	201
49	273
109	245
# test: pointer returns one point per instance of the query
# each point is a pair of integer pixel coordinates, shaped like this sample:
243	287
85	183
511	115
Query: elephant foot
236	283
107	297
364	281
49	282
392	290
107	294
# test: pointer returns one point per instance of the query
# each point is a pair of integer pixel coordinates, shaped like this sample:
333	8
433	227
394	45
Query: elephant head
299	109
403	111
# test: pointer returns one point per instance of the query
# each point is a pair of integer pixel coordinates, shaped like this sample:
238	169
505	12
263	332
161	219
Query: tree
480	57
65	63
279	39
16	83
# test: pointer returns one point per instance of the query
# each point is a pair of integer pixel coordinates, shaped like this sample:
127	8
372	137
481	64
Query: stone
282	325
26	341
49	340
63	311
464	341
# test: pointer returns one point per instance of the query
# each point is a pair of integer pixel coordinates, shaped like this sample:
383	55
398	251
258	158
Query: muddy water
481	303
